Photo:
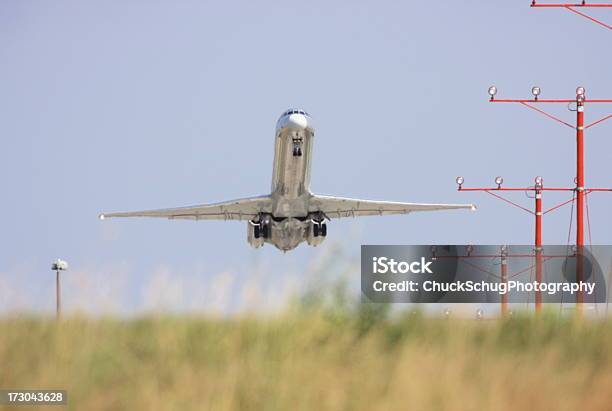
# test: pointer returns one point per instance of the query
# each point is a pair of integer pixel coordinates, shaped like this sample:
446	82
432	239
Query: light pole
57	266
538	238
504	278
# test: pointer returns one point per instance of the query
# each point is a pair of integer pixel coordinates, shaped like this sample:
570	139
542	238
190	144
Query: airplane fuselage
292	163
290	222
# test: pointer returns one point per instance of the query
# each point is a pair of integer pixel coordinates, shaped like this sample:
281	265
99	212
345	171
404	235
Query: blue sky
116	106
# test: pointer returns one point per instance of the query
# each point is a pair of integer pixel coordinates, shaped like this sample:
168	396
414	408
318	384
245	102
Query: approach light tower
538	188
580	192
57	266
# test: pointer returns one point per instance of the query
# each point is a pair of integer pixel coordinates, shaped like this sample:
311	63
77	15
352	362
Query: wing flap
338	207
240	209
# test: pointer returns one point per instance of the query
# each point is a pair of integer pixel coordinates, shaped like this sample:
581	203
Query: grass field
313	360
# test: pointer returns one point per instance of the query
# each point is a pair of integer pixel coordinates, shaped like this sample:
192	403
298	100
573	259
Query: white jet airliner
291	213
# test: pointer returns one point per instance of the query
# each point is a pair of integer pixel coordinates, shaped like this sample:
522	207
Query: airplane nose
297	122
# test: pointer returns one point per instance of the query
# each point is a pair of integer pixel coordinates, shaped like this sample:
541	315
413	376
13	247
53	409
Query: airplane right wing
241	209
338	207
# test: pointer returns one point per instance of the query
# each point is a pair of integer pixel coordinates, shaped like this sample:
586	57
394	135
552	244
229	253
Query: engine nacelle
253	228
316	232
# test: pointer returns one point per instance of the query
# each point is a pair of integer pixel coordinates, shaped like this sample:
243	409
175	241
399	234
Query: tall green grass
312	359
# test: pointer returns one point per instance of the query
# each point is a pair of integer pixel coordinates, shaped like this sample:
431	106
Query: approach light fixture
459	181
539	182
536	92
492	92
59	265
503	250
499	181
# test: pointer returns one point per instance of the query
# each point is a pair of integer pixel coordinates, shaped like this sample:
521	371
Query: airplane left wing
241	209
338	207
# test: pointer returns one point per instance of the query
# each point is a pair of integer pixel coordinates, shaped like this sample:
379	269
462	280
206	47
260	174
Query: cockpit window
294	111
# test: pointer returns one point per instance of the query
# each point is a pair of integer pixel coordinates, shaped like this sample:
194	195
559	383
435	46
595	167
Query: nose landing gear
297	147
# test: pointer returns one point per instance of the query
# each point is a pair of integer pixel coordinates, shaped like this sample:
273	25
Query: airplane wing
338	207
241	209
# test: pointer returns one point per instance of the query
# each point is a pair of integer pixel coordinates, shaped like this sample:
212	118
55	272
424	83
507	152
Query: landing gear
261	229
297	147
265	230
319	229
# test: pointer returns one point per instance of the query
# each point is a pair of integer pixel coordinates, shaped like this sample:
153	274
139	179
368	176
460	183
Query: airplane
291	213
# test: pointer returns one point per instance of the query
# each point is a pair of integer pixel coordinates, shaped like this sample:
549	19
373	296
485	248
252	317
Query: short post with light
58	266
